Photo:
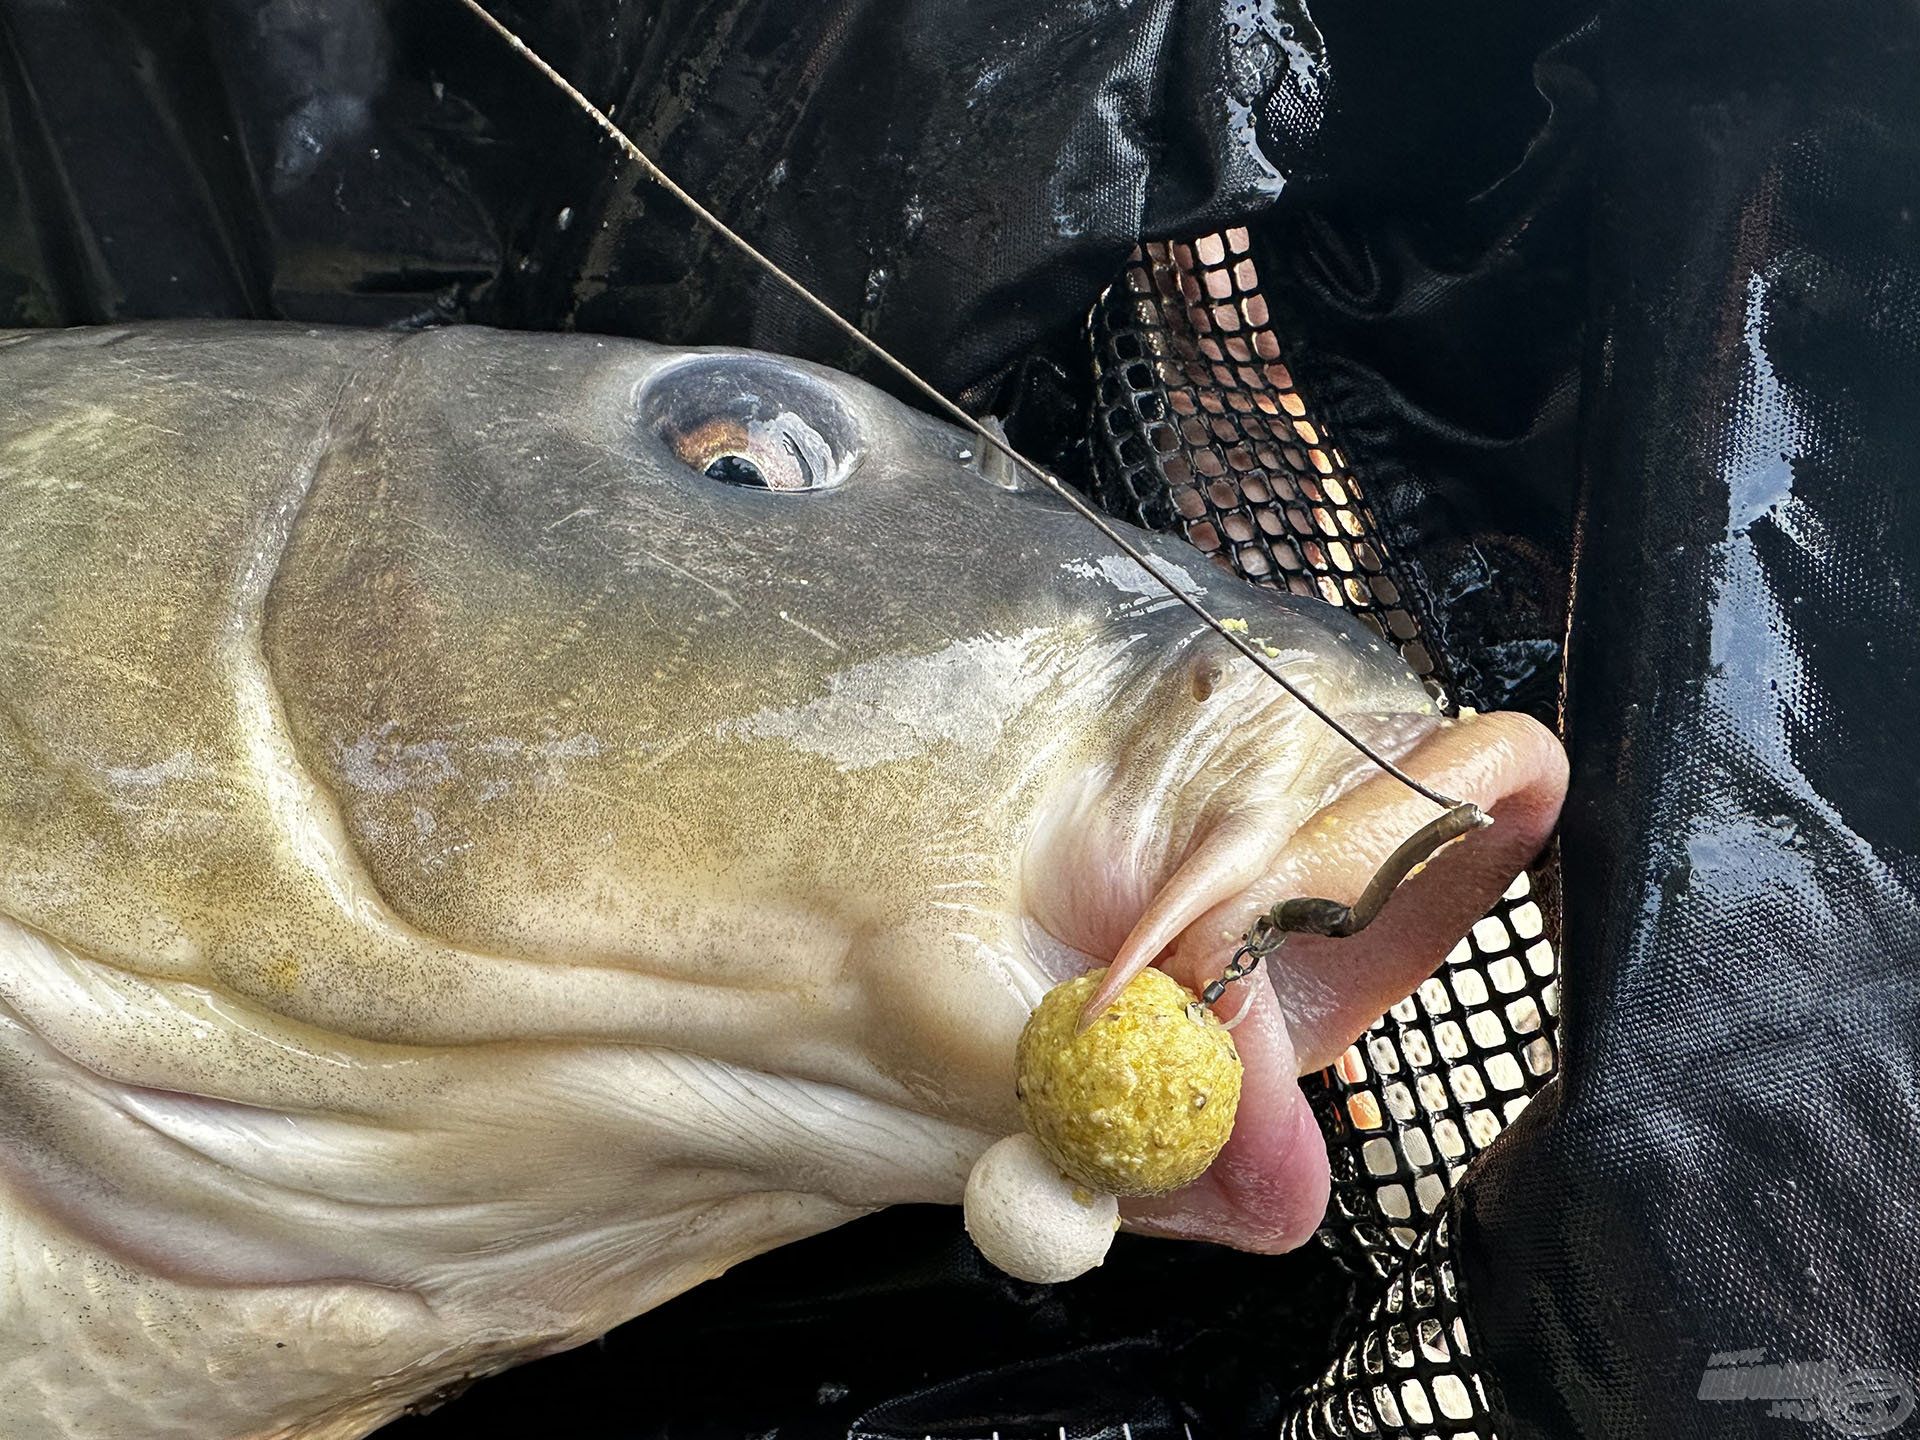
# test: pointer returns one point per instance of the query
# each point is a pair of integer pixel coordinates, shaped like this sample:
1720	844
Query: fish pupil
735	470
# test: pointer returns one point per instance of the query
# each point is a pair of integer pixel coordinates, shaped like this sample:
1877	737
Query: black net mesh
1200	427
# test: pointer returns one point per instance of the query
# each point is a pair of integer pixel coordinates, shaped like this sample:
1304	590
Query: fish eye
753	423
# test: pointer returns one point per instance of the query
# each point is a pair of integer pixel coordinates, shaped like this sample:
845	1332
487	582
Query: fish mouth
1268	1189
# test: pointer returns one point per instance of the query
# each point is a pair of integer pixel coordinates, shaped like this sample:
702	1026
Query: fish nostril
1206	675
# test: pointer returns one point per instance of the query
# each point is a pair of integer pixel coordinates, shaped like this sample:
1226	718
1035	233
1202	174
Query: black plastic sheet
961	180
1722	1184
893	1328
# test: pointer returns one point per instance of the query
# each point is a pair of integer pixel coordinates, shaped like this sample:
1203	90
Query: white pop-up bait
1032	1221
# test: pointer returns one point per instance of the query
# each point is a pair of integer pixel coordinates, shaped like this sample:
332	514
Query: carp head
526	822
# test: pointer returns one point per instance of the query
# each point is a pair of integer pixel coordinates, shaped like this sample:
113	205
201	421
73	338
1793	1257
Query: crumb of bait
1236	626
1142	1102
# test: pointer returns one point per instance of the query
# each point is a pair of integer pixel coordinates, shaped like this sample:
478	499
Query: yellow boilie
1139	1104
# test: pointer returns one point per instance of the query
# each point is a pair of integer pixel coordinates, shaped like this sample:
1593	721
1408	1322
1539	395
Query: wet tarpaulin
1708	1227
1638	287
961	179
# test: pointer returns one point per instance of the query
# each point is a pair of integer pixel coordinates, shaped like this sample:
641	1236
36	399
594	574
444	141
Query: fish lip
1268	1190
1091	868
1241	849
1055	958
1195	955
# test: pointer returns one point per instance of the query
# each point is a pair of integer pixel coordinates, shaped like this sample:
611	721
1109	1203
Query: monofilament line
948	407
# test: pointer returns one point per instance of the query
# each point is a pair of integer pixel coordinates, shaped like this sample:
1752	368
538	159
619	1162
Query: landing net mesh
1200	428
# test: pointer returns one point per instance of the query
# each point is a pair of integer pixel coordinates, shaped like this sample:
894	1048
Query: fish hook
1311	915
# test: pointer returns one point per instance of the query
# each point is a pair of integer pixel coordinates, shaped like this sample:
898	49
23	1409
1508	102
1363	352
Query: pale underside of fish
471	869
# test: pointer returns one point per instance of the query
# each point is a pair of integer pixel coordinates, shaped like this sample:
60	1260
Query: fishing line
1046	477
